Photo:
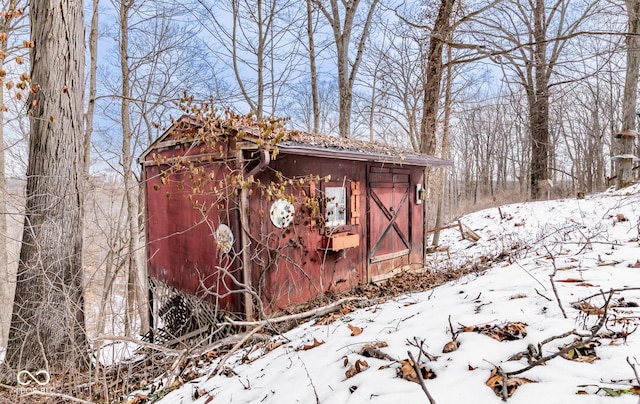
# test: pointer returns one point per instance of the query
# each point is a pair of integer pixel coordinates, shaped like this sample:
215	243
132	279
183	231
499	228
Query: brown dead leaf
408	372
354	330
496	382
356	368
636	265
347	308
588	308
582	353
621	218
210	356
570	280
271	345
371	351
450	346
508	332
328	319
311	346
138	399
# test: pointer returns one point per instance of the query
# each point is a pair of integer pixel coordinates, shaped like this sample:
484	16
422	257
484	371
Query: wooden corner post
246	244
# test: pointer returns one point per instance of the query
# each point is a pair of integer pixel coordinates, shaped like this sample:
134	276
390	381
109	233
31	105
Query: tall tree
257	41
154	69
531	38
442	30
93	72
630	92
136	301
341	17
11	19
315	103
47	326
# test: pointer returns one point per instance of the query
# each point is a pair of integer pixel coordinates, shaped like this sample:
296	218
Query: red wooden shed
256	225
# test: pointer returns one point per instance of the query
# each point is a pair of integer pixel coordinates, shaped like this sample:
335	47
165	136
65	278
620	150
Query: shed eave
413	160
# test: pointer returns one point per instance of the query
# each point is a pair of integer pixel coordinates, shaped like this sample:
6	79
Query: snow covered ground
591	245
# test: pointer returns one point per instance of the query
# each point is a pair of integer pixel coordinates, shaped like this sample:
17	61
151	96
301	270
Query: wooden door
389	202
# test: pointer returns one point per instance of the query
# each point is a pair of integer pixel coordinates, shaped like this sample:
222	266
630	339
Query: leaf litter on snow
513	301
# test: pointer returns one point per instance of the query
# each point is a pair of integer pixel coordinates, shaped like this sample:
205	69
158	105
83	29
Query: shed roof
307	144
352	149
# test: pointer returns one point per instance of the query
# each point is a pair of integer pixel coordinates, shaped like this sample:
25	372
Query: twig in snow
454	335
419	343
36	392
232	351
600	293
532	277
320	311
315	392
505	387
546	341
416	367
549	357
633	367
603	319
589	338
540	294
553	284
230	340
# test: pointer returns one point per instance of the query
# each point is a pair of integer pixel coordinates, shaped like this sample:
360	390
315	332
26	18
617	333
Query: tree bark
342	31
445	152
624	177
93	69
314	71
136	301
539	109
47	326
4	258
442	28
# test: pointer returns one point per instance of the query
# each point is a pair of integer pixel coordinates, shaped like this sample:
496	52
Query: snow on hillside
361	357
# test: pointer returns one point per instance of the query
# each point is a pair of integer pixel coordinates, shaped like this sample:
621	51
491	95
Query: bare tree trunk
47	326
445	149
11	21
539	109
342	31
630	92
4	258
314	71
433	77
88	117
260	63
136	290
264	26
93	69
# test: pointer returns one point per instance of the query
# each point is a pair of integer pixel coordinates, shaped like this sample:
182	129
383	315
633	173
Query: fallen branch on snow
319	311
232	351
589	338
416	367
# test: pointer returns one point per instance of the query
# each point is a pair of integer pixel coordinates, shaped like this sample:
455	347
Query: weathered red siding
305	269
289	266
181	251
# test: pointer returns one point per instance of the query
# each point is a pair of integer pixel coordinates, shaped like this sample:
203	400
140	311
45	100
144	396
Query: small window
336	208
